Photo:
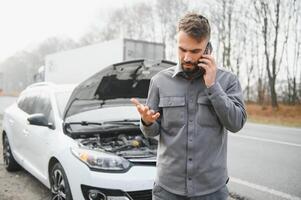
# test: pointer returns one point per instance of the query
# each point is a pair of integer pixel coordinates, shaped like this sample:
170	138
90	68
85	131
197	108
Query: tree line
259	40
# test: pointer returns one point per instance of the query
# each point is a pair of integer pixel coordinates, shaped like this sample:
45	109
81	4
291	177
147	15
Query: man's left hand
209	65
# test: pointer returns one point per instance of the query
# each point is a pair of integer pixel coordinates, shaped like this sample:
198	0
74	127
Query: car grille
141	195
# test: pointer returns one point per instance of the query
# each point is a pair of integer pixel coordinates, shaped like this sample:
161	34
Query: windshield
61	100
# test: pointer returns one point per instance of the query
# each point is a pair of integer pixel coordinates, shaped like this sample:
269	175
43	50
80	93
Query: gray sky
26	23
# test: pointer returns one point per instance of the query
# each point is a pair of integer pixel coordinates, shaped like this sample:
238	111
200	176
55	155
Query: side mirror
39	119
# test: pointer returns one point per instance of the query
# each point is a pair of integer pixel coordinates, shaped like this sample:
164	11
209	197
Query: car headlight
100	160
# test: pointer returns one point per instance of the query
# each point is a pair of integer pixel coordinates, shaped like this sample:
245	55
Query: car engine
125	145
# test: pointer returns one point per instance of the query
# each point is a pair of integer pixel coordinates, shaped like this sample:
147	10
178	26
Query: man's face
190	51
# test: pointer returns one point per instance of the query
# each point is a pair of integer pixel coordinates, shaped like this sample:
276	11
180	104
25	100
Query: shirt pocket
206	115
173	109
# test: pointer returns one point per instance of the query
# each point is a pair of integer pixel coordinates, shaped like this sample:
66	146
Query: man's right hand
147	115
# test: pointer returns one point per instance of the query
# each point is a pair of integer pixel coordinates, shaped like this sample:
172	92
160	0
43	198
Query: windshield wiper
133	122
84	123
107	127
117	122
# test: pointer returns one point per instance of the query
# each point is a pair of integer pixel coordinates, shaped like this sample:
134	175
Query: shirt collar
178	70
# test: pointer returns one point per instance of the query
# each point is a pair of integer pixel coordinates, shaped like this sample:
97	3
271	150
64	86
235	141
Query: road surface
265	162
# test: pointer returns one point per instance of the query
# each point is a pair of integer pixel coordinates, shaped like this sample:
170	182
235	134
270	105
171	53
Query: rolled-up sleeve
228	104
152	102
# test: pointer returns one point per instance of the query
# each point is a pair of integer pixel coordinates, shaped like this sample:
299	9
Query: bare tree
261	80
230	19
226	32
135	22
96	34
270	18
297	52
15	73
290	93
20	68
250	67
168	13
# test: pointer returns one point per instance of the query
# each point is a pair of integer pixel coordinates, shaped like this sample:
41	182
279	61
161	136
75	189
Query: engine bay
130	145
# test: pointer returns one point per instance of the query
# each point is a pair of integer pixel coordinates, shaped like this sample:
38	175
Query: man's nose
187	57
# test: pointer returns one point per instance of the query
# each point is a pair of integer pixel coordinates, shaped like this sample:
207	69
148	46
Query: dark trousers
160	193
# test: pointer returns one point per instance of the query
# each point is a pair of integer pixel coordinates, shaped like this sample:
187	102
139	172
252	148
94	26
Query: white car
85	143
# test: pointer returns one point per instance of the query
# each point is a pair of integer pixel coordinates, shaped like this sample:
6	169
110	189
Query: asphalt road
20	185
264	164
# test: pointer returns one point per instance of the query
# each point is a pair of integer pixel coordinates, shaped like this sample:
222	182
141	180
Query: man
191	106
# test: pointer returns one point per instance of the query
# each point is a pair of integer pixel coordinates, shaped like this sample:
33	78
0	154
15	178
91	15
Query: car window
27	103
36	102
31	102
43	105
20	102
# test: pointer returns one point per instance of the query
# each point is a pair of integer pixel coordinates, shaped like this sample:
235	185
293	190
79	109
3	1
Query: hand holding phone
207	66
207	51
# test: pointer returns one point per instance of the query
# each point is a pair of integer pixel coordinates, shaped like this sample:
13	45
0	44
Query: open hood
115	84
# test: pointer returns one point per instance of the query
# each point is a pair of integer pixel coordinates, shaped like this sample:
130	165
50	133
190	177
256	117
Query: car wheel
60	189
9	161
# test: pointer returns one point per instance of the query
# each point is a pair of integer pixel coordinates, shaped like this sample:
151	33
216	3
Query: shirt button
189	178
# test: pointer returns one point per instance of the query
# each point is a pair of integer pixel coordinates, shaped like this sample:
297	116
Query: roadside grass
285	115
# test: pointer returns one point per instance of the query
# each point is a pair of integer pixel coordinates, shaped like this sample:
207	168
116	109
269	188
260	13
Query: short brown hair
195	25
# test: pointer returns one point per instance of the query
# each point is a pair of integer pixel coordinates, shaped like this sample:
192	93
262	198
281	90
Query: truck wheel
60	189
10	163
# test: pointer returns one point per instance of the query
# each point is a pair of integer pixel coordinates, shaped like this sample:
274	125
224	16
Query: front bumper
94	193
137	178
137	181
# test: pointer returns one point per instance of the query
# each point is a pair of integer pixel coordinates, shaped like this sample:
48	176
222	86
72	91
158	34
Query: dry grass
285	115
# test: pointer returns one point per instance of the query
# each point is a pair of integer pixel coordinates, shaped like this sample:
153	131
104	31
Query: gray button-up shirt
192	129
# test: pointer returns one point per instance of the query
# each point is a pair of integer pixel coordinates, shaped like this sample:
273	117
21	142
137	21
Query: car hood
114	85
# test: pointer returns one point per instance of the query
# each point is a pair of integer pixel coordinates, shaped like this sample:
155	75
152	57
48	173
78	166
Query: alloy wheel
58	186
6	152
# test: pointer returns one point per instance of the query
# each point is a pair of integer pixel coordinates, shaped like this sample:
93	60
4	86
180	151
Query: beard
192	72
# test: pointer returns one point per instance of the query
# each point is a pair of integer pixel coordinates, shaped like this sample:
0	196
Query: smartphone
207	51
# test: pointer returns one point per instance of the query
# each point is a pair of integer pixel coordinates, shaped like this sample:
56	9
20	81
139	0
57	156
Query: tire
59	185
10	163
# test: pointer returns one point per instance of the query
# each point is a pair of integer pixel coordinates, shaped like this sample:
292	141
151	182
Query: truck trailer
76	65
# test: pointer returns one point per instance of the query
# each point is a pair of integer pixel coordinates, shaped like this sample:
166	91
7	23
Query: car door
28	107
40	136
15	118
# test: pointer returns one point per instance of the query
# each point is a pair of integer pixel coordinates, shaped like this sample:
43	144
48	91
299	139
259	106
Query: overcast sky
25	23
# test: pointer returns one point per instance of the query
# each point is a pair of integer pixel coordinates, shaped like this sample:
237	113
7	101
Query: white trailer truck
74	66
